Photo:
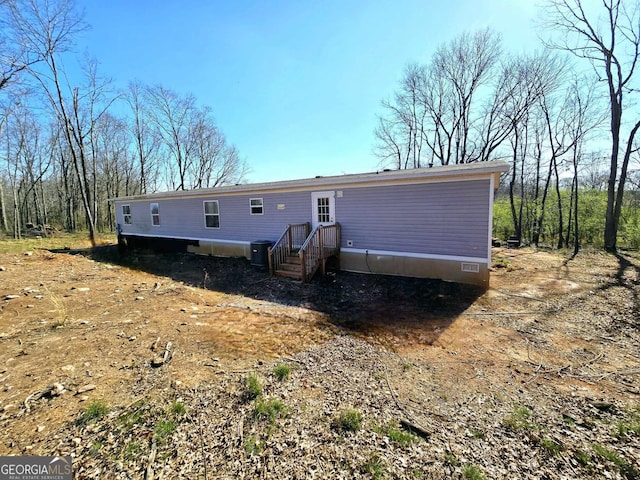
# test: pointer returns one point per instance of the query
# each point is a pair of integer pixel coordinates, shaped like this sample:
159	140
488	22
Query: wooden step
290	274
294	259
291	267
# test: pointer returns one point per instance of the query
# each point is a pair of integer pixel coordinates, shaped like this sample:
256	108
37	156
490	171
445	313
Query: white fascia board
429	256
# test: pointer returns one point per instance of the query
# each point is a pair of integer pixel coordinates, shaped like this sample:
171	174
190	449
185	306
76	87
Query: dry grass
58	241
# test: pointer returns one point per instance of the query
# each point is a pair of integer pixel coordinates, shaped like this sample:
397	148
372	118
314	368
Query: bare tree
467	65
610	41
400	134
48	27
463	105
172	116
15	55
145	142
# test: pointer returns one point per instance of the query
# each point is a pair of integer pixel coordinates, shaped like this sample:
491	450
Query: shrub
95	411
282	371
550	446
519	419
178	408
349	420
471	472
252	446
163	429
374	466
268	409
397	435
253	386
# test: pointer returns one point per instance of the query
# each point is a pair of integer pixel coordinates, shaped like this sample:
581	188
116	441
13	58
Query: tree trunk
517	225
560	212
621	182
5	224
611	224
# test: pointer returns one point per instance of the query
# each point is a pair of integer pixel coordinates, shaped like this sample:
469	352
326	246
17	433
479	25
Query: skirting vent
471	267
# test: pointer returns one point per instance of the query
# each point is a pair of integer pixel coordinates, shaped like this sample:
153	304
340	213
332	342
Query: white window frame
256	206
127	218
216	215
155	217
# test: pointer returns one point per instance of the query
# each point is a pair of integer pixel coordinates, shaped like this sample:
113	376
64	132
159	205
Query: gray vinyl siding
446	218
434	218
184	217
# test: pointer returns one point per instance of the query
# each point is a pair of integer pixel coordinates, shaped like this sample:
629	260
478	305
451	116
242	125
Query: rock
68	368
57	389
139	298
2	268
28	254
85	388
40	428
132	338
11	297
80	289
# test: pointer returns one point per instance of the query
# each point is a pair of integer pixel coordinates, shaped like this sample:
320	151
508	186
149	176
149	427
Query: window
126	214
155	214
211	214
324	214
256	206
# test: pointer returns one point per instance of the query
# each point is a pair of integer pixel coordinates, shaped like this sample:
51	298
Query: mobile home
427	222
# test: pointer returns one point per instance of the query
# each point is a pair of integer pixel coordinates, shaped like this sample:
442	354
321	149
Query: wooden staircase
298	254
291	267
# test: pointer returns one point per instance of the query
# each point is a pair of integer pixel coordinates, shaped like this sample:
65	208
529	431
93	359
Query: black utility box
260	253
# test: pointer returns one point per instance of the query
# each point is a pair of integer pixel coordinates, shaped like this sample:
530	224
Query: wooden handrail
322	243
291	240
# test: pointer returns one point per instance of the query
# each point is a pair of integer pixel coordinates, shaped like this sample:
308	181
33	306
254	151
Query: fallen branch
148	474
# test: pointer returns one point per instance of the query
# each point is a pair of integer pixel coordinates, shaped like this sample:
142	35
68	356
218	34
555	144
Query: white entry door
323	208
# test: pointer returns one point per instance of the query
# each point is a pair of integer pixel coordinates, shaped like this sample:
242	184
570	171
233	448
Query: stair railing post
303	264
321	248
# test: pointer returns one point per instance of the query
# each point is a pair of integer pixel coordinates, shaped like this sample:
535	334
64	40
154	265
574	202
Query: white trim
387	253
176	237
125	215
361	251
261	206
490	226
151	204
204	213
331	195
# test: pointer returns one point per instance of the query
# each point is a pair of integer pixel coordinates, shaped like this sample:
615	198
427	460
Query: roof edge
383	176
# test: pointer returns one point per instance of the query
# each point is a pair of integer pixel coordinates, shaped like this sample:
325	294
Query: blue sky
295	85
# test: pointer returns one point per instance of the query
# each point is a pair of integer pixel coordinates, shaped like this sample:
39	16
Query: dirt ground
550	333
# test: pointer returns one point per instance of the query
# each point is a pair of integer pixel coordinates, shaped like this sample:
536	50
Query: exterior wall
420	229
449	218
184	217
